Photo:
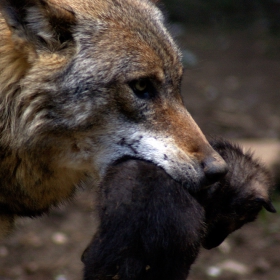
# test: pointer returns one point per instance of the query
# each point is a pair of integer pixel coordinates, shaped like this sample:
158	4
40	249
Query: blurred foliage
228	13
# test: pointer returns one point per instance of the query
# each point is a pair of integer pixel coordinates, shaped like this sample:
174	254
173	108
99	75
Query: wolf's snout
214	169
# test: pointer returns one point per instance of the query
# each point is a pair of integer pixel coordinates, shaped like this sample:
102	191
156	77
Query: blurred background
231	86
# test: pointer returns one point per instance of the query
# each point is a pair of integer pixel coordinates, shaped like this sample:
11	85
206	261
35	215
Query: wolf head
84	83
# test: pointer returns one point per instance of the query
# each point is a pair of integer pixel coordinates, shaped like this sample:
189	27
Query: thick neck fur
13	66
22	172
13	60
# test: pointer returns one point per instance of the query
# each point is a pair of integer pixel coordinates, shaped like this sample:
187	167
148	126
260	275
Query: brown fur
69	106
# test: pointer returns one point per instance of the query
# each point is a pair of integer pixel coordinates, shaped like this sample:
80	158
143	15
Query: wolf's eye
141	85
142	88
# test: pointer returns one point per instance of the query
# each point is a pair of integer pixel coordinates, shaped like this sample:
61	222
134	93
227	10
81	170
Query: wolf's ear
45	26
267	204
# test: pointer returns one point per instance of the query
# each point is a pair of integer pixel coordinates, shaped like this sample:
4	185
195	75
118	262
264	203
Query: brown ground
233	91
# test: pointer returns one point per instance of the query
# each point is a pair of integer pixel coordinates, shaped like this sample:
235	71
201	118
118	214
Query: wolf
151	227
84	83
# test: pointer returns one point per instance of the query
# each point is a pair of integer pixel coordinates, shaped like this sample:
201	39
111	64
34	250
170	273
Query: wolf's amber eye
141	85
142	88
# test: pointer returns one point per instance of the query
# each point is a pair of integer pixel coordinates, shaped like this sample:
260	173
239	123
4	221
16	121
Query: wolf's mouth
191	185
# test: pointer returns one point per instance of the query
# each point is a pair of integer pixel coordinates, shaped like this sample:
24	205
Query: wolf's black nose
214	168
